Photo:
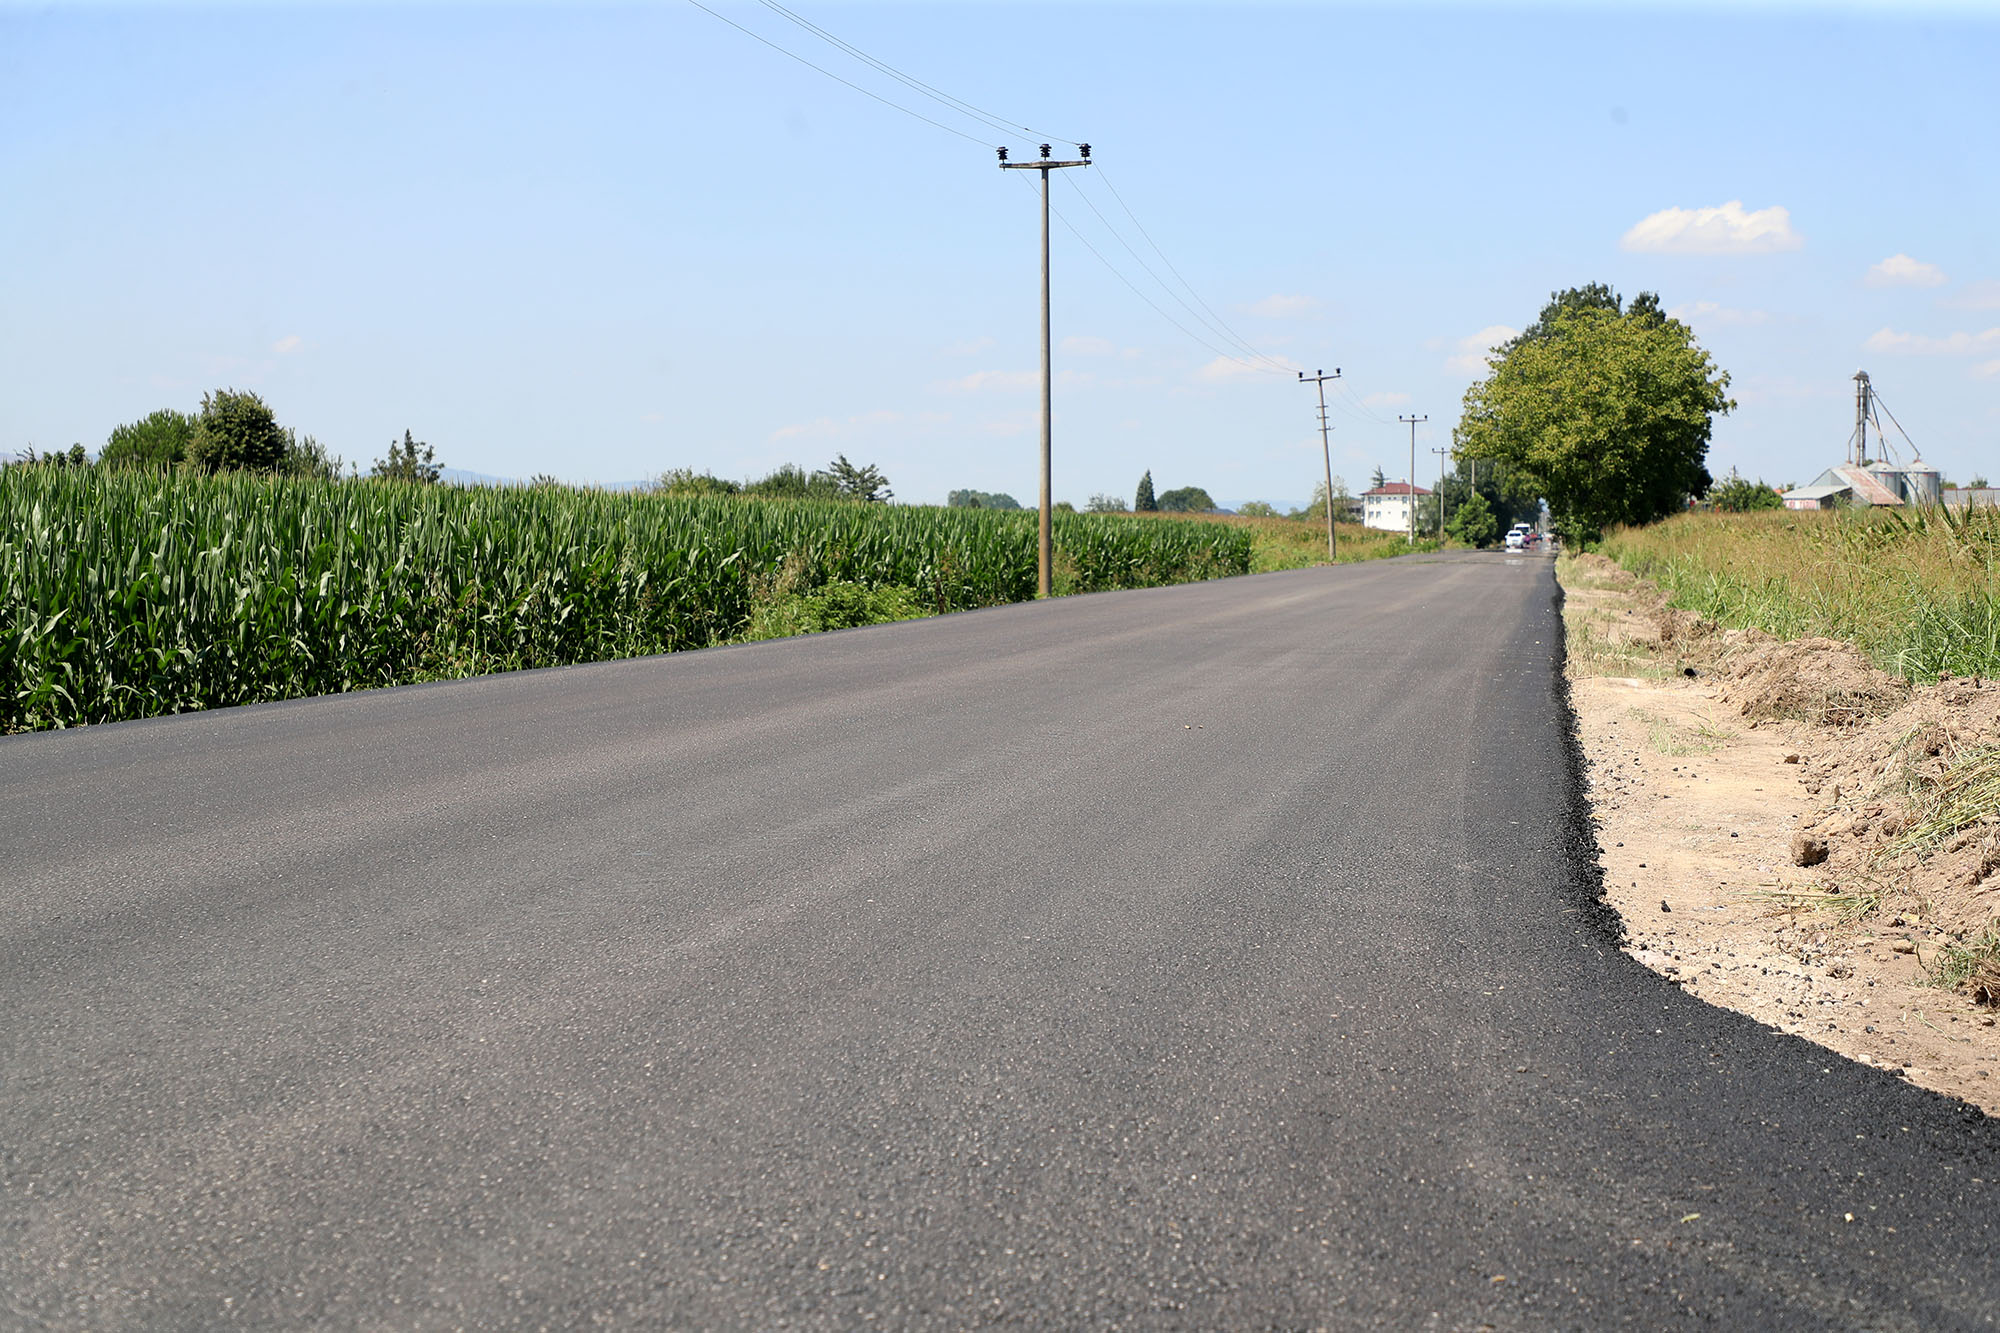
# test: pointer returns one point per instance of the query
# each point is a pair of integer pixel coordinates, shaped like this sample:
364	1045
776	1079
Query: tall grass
127	595
1917	590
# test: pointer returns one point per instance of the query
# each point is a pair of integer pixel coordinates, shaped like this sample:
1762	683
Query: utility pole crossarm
1045	542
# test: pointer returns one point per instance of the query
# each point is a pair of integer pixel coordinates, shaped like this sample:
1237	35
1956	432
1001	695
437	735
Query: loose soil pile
1792	833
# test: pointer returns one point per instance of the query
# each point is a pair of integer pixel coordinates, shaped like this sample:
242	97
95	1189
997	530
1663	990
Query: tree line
233	431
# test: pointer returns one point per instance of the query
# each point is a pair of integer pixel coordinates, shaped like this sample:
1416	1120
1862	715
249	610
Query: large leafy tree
236	431
1473	522
971	499
1740	495
1186	500
155	442
1605	411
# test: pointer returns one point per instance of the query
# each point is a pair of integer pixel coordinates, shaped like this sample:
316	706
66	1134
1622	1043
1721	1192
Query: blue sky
602	241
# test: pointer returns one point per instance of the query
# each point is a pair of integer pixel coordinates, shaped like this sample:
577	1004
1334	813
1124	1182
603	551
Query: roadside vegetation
1917	590
131	592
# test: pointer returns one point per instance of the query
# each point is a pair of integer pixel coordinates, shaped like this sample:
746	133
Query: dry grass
1917	590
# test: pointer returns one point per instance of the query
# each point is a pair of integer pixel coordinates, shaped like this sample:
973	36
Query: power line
917	85
893	106
1220	332
1213	320
1250	357
1114	271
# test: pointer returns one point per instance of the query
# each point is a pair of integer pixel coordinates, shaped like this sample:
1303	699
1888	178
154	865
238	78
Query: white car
1517	537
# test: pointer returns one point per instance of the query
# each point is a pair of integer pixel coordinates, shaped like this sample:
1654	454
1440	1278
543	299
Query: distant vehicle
1516	540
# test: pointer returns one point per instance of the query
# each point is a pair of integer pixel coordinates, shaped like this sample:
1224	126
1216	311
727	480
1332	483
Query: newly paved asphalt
1219	957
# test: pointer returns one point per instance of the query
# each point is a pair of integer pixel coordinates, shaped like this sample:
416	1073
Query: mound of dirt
1821	682
1912	805
1833	871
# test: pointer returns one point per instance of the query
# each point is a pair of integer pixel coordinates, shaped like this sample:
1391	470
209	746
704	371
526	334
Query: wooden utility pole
1320	377
1413	472
1045	548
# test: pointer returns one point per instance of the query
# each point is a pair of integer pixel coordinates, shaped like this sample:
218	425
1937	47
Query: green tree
74	456
686	481
307	457
1100	503
410	460
1143	502
866	484
1607	414
1510	496
156	441
1315	509
1474	524
981	500
236	432
1257	509
792	482
1185	500
1738	495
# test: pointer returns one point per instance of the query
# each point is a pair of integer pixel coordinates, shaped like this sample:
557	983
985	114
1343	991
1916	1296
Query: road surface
1211	957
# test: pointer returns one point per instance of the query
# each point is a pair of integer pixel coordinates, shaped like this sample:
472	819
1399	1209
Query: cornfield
126	595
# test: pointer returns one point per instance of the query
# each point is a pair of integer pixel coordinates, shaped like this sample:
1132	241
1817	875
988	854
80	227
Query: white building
1388	506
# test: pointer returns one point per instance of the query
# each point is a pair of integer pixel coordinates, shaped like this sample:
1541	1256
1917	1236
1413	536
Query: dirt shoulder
1718	762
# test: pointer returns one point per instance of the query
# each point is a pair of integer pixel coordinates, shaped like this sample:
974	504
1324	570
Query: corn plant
125	595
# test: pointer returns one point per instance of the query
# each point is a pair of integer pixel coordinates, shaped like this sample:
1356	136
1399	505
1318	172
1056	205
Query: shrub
156	441
236	432
412	460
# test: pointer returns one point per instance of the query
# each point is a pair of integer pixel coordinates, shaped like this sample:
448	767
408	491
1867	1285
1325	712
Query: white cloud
1077	345
291	342
1983	295
1903	271
1917	344
1472	357
1986	370
1727	230
1708	312
1227	368
1385	400
1277	306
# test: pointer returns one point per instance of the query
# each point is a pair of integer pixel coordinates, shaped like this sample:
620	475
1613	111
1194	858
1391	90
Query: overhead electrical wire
894	106
1246	353
1157	309
1220	331
917	85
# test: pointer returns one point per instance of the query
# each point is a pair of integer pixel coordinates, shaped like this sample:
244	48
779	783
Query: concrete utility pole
1861	391
1320	377
1413	472
1045	549
1441	454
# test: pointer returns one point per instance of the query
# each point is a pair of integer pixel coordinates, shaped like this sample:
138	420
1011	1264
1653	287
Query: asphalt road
1208	957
